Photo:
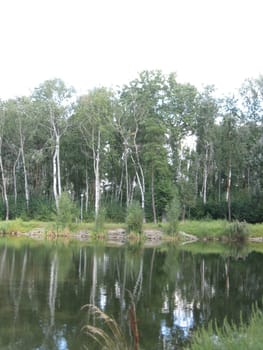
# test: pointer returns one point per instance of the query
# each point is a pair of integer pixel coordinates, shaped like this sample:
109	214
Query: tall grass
217	229
210	229
108	334
231	337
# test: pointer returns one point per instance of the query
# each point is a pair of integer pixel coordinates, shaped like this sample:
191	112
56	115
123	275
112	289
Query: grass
203	230
213	229
112	337
18	225
256	230
230	337
107	333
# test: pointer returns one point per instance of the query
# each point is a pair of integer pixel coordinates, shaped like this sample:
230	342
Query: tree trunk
55	190
87	192
127	176
153	198
58	164
56	172
96	163
25	178
140	176
205	176
14	179
24	164
228	194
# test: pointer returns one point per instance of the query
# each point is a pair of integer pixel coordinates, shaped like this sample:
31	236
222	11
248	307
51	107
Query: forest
153	141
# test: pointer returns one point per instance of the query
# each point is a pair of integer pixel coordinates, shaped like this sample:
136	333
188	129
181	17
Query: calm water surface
43	286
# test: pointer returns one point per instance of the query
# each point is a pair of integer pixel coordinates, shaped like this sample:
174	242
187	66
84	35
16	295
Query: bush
237	231
67	211
173	213
134	218
115	212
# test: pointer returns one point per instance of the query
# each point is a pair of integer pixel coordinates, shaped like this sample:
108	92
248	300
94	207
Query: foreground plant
112	337
231	337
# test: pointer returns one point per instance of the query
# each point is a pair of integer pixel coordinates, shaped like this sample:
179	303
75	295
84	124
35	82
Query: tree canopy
148	141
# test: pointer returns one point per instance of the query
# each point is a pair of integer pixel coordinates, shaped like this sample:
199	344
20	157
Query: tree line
154	141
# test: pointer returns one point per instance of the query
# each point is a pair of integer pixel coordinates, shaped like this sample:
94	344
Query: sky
91	43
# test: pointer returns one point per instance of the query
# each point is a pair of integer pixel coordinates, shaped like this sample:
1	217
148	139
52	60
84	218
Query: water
43	286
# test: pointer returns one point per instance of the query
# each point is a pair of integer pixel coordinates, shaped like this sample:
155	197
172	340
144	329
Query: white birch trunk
14	178
58	164
55	191
24	164
127	176
228	184
25	178
140	174
205	176
96	163
228	199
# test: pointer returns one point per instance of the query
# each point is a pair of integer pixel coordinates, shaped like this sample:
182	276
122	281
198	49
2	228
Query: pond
43	286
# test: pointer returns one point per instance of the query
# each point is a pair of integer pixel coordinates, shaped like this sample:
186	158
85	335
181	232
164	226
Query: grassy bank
203	230
219	229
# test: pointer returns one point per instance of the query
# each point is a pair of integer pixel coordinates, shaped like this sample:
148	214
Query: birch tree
129	127
94	111
20	127
54	102
204	131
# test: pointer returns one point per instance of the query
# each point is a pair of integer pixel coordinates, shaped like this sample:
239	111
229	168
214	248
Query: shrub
67	211
115	212
173	213
134	218
237	231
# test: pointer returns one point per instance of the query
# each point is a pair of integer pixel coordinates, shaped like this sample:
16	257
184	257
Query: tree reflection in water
44	285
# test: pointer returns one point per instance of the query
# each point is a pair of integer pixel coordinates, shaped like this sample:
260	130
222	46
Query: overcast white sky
90	43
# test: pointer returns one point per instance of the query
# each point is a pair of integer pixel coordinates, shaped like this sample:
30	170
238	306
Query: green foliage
173	213
115	212
67	211
237	231
139	129
244	337
134	218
